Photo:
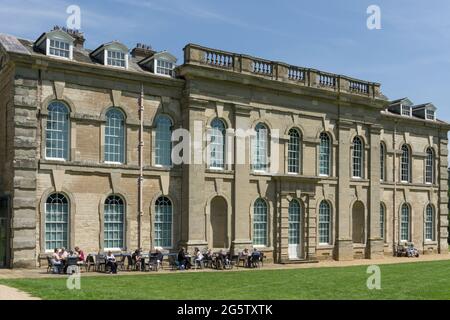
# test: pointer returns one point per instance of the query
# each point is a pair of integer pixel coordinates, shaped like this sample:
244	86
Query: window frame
106	58
357	156
429	226
66	243
163	141
260	204
328	223
65	132
327	154
214	133
261	144
382	162
123	223
294	158
166	200
170	70
406	228
121	138
429	166
406	150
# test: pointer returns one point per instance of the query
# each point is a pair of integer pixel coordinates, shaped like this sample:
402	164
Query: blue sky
409	56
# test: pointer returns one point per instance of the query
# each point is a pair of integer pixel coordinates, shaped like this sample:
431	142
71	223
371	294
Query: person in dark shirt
183	261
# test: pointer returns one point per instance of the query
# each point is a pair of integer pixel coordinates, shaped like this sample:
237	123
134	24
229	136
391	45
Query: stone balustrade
195	54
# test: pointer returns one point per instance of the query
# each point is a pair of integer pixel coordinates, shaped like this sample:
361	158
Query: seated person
63	258
221	259
159	256
136	258
80	254
198	256
255	256
183	261
111	262
245	256
56	261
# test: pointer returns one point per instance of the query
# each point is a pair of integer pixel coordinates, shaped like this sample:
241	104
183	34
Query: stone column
284	228
442	175
375	244
241	224
344	243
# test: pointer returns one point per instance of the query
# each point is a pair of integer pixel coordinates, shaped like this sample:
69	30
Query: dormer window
59	48
116	58
161	63
56	43
164	67
112	54
430	114
406	111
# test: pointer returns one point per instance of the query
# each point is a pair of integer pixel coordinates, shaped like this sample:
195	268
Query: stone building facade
350	174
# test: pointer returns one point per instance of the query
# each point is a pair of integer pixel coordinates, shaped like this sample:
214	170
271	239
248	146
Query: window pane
114	136
382	219
57	131
260	222
405	164
324	154
357	157
404	223
294	222
116	58
114	218
382	162
429	223
429	166
217	145
56	222
163	141
59	48
163	222
260	148
324	222
294	151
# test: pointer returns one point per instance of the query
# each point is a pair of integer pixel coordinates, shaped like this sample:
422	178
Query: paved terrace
42	272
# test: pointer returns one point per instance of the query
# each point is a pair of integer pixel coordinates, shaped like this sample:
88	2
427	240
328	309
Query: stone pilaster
194	221
344	243
443	194
241	221
23	227
311	228
374	248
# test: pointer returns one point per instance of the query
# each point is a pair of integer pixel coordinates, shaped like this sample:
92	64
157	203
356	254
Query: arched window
163	141
217	156
429	166
115	136
405	218
163	222
57	131
56	222
294	146
114	223
324	155
429	223
382	220
261	148
295	212
260	223
382	162
405	164
324	223
357	158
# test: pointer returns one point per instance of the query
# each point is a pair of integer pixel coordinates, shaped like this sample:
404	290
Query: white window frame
265	223
403	109
158	156
67	134
429	225
121	137
402	222
329	224
259	144
47	48
357	157
429	168
171	223
170	70
215	146
67	223
294	156
105	57
382	162
402	163
328	154
124	214
426	114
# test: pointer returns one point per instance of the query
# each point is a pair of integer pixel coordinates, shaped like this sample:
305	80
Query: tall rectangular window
114	136
405	164
163	222
56	222
163	141
382	162
260	223
357	157
57	132
324	155
294	151
429	223
324	223
429	166
114	223
405	223
260	148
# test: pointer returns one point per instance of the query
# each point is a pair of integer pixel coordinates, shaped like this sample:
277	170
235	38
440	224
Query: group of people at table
221	259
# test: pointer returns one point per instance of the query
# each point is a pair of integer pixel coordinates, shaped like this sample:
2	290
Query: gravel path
8	293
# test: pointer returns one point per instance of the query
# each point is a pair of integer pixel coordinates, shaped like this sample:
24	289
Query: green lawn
424	280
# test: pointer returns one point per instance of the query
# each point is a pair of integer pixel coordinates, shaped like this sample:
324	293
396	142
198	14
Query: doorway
219	223
295	230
